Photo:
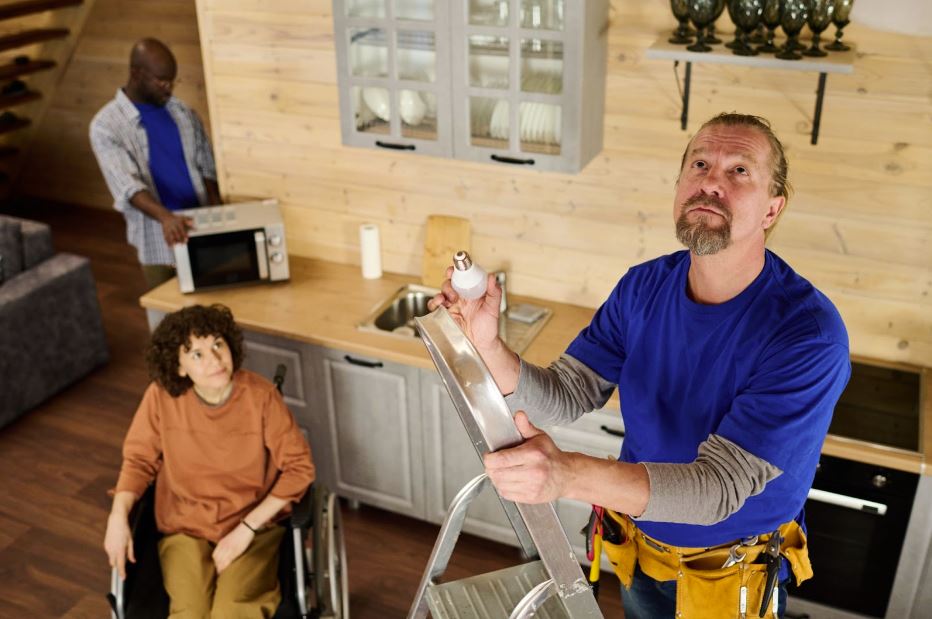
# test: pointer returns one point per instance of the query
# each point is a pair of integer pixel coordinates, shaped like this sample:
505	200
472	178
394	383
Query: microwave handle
841	500
262	256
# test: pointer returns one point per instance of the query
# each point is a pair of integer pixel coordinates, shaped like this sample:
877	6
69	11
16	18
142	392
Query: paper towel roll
370	250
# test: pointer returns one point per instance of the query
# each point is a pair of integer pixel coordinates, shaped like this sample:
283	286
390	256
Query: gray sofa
51	332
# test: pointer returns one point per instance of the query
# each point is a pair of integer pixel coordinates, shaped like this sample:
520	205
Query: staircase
37	41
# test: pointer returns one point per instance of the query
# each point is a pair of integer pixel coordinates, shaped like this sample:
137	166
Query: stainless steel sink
395	317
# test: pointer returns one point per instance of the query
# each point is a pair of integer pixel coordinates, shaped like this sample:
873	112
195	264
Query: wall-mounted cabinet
511	82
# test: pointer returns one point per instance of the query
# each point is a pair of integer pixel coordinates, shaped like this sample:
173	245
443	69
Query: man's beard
699	237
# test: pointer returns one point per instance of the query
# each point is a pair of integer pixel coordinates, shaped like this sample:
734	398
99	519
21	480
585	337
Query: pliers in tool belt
771	556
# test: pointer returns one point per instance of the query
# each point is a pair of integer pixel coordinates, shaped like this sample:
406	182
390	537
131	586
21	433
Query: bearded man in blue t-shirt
728	366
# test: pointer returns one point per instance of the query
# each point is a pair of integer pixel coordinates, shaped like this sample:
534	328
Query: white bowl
378	101
411	107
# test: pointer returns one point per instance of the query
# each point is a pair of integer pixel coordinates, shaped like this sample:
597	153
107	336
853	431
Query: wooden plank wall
859	225
59	164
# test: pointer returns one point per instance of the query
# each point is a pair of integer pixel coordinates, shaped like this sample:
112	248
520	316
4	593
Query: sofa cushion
11	247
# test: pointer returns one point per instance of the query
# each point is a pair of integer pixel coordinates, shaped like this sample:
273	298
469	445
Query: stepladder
552	585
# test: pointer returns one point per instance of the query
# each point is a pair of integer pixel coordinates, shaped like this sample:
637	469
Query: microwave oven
232	244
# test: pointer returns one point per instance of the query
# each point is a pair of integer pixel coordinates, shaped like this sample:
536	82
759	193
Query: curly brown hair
175	331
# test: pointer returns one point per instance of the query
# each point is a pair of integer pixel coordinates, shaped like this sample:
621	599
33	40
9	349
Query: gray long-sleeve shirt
708	490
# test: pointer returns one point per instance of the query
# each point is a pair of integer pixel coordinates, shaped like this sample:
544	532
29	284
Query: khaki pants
247	589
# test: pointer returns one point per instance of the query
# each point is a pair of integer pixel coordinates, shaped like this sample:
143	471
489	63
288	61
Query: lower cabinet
450	461
373	411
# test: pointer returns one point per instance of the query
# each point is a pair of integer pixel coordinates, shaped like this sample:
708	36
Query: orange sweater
213	465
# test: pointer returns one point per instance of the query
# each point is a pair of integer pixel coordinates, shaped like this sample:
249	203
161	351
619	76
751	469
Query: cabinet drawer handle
514	160
394	146
365	364
608	430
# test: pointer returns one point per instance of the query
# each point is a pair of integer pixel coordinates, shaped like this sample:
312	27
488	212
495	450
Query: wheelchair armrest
302	511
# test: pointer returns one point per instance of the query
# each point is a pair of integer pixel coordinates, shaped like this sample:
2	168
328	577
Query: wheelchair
314	583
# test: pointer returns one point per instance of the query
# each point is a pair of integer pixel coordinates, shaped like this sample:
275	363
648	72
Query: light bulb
469	279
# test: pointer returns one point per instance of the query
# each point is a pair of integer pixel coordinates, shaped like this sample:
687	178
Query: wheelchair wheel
331	580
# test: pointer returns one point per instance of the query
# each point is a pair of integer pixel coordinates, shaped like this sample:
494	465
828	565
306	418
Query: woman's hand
118	543
231	546
478	318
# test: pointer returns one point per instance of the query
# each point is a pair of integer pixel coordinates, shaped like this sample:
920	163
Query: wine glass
840	19
701	12
770	17
820	16
795	14
682	34
711	38
747	16
731	15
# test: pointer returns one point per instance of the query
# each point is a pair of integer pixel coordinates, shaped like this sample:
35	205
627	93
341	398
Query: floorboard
58	461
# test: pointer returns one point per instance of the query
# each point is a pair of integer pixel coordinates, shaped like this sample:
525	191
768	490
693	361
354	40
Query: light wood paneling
59	164
859	225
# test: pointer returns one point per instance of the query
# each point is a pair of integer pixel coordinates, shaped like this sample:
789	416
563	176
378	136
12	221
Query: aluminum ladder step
493	595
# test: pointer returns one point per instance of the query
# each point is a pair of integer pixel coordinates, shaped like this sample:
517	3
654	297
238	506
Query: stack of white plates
539	122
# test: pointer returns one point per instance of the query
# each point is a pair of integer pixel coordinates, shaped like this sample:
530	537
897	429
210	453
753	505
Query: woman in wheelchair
228	460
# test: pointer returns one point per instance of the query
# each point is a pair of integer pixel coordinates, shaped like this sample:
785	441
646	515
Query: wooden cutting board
444	237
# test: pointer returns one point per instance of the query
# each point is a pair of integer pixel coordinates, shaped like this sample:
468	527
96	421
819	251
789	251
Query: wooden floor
57	462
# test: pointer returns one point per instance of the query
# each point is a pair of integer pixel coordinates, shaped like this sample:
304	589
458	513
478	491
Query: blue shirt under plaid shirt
121	146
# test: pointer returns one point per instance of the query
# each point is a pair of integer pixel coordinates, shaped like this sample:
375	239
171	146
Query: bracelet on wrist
249	526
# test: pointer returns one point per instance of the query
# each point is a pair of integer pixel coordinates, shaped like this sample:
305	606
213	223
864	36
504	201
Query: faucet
502	307
500	280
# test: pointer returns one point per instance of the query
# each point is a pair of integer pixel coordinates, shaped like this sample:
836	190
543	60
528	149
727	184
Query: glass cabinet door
394	90
510	64
518	82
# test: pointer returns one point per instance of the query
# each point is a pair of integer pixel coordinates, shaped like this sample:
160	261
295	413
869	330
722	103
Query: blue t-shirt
166	158
763	370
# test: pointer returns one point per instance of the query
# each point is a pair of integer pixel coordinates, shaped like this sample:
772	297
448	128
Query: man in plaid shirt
155	157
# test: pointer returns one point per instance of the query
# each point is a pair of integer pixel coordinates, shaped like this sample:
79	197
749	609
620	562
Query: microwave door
228	258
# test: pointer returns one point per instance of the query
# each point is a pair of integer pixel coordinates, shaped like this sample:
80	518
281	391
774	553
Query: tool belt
704	588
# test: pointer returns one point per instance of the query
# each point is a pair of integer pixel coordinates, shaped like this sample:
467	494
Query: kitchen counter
324	301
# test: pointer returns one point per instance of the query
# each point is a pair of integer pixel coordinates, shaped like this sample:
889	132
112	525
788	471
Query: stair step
493	595
19	98
13	69
28	7
19	123
28	37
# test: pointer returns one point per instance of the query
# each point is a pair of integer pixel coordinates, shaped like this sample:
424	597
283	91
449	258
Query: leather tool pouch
705	590
618	542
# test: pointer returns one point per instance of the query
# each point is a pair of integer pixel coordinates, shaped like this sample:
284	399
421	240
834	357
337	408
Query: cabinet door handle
363	363
608	430
394	146
514	160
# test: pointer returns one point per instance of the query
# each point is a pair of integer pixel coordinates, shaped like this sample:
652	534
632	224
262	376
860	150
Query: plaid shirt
122	150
